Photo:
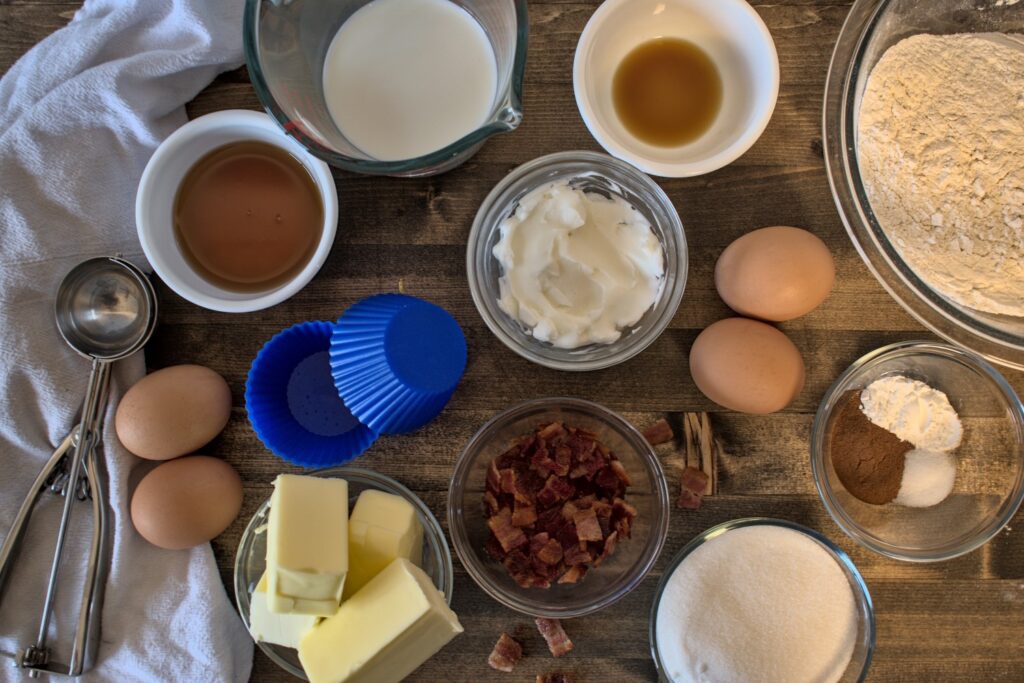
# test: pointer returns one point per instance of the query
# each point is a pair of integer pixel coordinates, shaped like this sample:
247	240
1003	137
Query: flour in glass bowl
941	152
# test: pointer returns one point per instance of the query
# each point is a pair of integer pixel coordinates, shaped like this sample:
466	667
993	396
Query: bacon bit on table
555	678
658	433
555	505
557	640
691	492
506	654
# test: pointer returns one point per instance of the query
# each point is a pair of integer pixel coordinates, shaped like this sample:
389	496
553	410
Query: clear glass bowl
285	46
860	661
990	461
871	27
602	586
250	560
591	172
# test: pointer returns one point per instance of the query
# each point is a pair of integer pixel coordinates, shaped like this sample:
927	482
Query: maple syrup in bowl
248	216
233	215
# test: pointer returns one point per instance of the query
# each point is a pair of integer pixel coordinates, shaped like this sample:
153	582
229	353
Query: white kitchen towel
80	115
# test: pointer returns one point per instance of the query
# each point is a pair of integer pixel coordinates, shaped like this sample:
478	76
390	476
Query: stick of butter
381	528
270	627
382	633
307	544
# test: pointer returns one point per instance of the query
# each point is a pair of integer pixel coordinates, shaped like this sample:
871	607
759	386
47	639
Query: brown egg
775	273
746	365
173	411
185	502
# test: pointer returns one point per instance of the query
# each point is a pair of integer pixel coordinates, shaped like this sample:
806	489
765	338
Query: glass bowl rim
506	118
601	163
659	492
858	585
947	320
949	352
366	477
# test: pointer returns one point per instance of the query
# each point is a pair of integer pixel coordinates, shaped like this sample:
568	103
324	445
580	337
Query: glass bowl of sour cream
389	87
577	261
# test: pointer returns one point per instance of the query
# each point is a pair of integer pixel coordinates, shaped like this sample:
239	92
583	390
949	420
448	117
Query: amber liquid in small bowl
667	92
248	217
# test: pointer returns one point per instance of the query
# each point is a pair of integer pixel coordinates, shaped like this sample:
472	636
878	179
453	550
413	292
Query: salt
928	477
759	604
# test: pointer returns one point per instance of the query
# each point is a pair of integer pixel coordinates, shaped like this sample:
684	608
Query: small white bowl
733	36
154	206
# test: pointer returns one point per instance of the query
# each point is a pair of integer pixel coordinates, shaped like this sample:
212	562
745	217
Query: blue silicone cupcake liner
396	360
293	405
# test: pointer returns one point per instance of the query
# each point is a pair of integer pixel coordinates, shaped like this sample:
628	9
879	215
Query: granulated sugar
759	604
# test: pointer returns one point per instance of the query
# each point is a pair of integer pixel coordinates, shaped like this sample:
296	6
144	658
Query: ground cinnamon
868	459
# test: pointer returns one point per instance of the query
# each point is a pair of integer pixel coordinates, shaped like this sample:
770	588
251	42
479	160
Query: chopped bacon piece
567	536
575	556
555	490
568	510
609	548
492	503
555	678
575	573
620	471
506	654
692	487
494	548
658	433
508	536
523	515
551	431
555	636
517	562
493	478
507	480
551	553
621	506
587	527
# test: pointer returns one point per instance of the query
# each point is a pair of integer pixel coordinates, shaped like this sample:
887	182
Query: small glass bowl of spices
577	261
558	507
917	451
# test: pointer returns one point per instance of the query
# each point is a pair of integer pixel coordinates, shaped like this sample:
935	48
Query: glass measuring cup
286	42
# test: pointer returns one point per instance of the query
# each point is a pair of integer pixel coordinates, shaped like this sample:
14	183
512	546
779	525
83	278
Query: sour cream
577	268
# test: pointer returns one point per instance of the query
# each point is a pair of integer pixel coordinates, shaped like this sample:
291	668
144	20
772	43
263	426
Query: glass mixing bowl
285	45
860	661
251	557
990	461
591	172
602	586
872	27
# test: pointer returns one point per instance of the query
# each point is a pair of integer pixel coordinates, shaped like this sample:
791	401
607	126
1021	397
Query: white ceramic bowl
733	36
154	207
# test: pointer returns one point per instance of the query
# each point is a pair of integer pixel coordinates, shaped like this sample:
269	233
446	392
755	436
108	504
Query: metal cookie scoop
106	310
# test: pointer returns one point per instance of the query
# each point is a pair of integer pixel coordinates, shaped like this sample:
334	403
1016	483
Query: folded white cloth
80	115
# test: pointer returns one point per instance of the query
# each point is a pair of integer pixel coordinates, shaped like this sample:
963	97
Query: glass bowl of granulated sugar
925	158
762	600
917	451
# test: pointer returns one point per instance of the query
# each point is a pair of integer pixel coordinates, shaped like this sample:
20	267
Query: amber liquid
667	92
248	216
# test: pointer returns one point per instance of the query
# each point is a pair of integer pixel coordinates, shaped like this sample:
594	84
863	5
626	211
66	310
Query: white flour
941	152
913	411
759	604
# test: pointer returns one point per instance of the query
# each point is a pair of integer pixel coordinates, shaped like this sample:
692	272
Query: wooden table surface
961	620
